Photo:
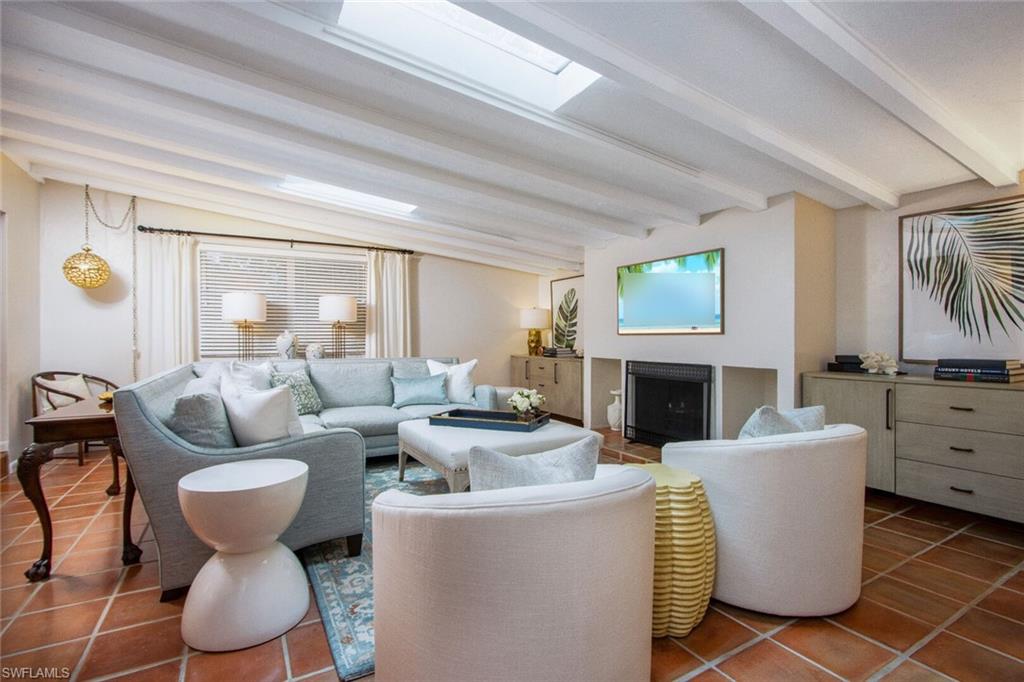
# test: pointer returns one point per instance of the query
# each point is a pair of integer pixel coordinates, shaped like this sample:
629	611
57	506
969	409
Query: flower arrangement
525	402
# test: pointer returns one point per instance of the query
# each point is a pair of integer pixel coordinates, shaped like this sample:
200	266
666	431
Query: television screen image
680	295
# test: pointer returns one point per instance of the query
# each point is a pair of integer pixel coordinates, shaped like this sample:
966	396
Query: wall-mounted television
678	295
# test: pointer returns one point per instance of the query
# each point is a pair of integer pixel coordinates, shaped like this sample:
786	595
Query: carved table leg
130	552
115	453
29	464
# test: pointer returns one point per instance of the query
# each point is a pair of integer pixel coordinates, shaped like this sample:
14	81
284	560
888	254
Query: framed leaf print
962	282
567	312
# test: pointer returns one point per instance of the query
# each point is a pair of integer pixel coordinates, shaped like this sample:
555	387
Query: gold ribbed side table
684	551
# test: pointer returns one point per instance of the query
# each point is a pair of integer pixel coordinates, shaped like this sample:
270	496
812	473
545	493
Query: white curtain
167	332
388	319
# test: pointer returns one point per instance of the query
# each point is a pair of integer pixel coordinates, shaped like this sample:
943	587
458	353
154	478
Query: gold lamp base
533	344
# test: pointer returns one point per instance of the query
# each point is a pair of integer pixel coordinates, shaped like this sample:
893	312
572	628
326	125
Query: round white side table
254	588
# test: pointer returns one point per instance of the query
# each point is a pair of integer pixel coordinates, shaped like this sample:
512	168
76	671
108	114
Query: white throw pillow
253	376
259	416
767	421
459	384
74	385
493	470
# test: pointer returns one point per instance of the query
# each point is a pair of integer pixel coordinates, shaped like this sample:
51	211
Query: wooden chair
42	395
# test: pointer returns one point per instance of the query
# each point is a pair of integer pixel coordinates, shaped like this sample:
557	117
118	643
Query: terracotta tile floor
943	598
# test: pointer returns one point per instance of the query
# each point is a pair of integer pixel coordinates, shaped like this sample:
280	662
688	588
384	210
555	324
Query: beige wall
20	350
814	286
459	308
868	265
471	311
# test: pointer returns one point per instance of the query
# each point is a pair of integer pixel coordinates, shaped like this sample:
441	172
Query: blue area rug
343	586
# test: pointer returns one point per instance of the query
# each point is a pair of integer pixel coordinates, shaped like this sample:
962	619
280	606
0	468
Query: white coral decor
525	400
879	363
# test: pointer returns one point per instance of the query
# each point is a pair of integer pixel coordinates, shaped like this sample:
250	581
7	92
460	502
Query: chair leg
81	453
354	544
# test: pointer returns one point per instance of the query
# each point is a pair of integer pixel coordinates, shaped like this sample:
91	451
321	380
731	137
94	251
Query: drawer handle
961	409
966	491
956	449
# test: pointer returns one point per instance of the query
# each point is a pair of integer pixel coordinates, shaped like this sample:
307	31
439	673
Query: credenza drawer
970	490
961	407
542	369
991	453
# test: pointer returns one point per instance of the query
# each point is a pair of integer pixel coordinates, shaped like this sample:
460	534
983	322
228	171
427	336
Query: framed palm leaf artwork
962	282
567	312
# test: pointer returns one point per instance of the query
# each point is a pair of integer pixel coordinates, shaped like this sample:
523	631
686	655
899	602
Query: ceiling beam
79	169
812	27
608	58
19	123
688	176
225	133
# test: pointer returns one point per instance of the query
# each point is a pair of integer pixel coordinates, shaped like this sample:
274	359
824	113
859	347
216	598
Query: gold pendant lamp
85	269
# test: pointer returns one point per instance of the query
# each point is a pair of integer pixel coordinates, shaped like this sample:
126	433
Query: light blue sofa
357	420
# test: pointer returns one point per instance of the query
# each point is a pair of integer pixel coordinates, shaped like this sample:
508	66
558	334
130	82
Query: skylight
441	42
492	34
332	194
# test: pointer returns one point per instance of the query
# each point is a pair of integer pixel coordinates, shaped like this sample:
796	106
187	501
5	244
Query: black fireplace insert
667	402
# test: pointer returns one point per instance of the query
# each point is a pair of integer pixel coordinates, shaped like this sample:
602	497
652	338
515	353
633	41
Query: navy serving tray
489	419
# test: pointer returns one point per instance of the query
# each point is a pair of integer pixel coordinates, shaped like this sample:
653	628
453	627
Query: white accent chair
550	582
789	517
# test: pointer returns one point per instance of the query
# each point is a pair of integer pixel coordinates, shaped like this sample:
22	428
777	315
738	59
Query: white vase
615	411
286	345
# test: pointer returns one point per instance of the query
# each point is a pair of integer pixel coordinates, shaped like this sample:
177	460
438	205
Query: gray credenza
952	443
560	380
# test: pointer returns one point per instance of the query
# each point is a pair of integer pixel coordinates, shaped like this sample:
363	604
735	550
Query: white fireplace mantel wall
768	255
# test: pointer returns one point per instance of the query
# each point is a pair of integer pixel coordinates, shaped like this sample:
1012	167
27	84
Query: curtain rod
163	230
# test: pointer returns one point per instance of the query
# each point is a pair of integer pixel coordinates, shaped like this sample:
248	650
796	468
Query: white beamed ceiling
702	107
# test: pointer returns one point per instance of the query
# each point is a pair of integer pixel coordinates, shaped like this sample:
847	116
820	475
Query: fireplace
667	402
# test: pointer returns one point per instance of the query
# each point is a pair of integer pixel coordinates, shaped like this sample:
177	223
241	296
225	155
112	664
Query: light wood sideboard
560	380
956	444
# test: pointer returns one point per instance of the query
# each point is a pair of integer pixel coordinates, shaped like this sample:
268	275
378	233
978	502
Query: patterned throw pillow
307	401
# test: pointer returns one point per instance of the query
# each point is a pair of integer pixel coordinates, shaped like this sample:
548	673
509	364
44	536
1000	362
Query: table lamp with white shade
338	309
534	319
243	308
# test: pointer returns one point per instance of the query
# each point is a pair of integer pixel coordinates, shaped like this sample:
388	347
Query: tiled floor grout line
130	671
883	645
711	663
910	558
308	675
39	584
287	656
96	628
51	504
921	643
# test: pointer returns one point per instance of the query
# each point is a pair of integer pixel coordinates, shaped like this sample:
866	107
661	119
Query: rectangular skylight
492	34
333	194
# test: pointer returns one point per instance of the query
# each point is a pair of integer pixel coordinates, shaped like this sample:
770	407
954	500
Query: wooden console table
84	420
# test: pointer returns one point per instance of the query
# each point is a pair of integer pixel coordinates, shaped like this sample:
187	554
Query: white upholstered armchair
789	517
538	583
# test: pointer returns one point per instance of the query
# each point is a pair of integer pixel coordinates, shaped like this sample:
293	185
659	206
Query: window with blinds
292	282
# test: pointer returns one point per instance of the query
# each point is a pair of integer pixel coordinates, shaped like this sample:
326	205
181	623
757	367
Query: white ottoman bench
445	449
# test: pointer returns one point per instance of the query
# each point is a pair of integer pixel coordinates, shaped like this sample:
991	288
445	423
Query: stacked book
846	363
552	352
990	371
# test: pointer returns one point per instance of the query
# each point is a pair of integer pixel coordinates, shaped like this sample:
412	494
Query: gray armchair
333	506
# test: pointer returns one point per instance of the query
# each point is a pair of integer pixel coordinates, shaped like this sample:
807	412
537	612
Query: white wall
868	265
20	352
758	296
460	308
471	311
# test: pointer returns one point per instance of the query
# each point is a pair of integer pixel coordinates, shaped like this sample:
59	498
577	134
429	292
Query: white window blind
292	282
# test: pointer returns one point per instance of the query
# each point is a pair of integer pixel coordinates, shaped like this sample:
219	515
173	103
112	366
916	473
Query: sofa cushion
350	384
458	379
198	415
807	418
368	420
493	470
419	391
311	423
423	411
305	396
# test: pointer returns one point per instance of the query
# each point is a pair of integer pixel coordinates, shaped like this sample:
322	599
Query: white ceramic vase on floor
615	411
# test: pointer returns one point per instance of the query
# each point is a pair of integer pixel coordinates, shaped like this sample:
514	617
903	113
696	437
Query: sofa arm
486	397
